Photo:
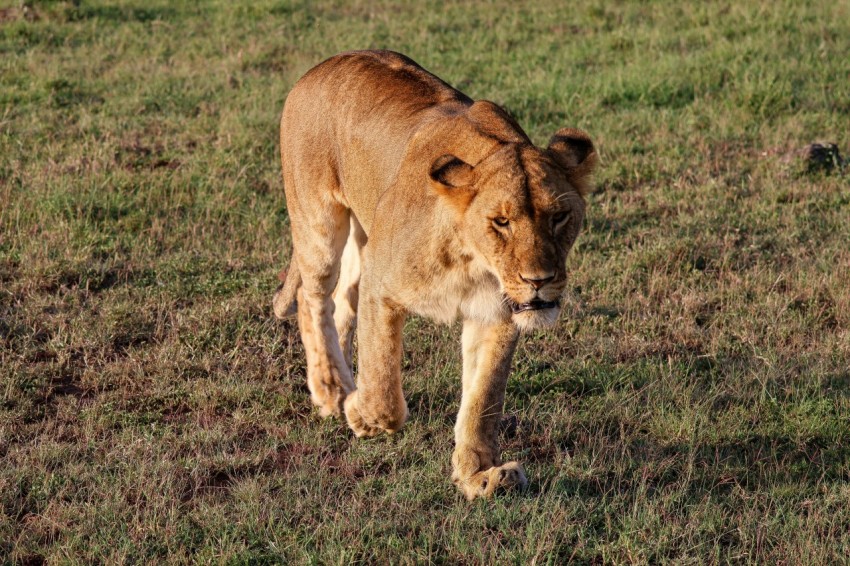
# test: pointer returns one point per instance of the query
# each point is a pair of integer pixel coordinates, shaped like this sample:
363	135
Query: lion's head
520	210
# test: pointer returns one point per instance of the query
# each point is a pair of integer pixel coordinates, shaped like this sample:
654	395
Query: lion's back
353	116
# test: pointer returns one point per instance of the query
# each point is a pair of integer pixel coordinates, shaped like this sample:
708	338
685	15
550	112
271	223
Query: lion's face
523	212
524	220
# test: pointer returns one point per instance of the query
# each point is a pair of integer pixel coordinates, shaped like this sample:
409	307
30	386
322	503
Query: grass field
693	404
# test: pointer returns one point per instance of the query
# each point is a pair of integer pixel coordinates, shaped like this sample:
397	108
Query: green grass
693	405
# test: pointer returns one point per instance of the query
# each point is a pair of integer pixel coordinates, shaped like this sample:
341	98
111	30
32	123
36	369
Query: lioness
406	196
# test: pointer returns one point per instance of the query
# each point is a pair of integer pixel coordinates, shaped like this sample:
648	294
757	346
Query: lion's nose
537	280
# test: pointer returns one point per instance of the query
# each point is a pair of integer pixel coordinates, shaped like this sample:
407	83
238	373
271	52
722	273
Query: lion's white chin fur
534	320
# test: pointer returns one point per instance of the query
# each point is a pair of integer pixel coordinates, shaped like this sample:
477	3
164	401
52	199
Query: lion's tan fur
405	196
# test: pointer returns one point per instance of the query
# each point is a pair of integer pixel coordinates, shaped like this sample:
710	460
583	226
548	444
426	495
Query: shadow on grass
757	464
94	278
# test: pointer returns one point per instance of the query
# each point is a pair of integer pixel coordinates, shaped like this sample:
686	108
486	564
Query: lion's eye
501	221
559	218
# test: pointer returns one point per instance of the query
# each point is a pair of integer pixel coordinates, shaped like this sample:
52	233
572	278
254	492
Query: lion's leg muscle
347	290
476	462
378	405
318	245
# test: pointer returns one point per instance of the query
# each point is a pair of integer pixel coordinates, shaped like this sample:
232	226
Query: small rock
819	156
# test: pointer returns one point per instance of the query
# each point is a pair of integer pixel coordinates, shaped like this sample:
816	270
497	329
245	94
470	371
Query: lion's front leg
378	405
477	466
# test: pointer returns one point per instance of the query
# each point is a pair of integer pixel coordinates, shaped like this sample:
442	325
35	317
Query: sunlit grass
691	406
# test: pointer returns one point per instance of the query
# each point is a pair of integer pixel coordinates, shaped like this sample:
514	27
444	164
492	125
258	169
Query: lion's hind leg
284	302
319	250
347	292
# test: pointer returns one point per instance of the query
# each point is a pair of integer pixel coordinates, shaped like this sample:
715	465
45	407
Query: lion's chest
472	295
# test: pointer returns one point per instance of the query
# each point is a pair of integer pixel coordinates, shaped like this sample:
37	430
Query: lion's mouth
535	305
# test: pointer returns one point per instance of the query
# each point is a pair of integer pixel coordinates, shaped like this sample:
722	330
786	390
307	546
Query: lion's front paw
388	419
355	419
485	483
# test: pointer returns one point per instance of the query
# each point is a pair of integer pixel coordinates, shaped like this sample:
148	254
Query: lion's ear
573	150
449	171
452	179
